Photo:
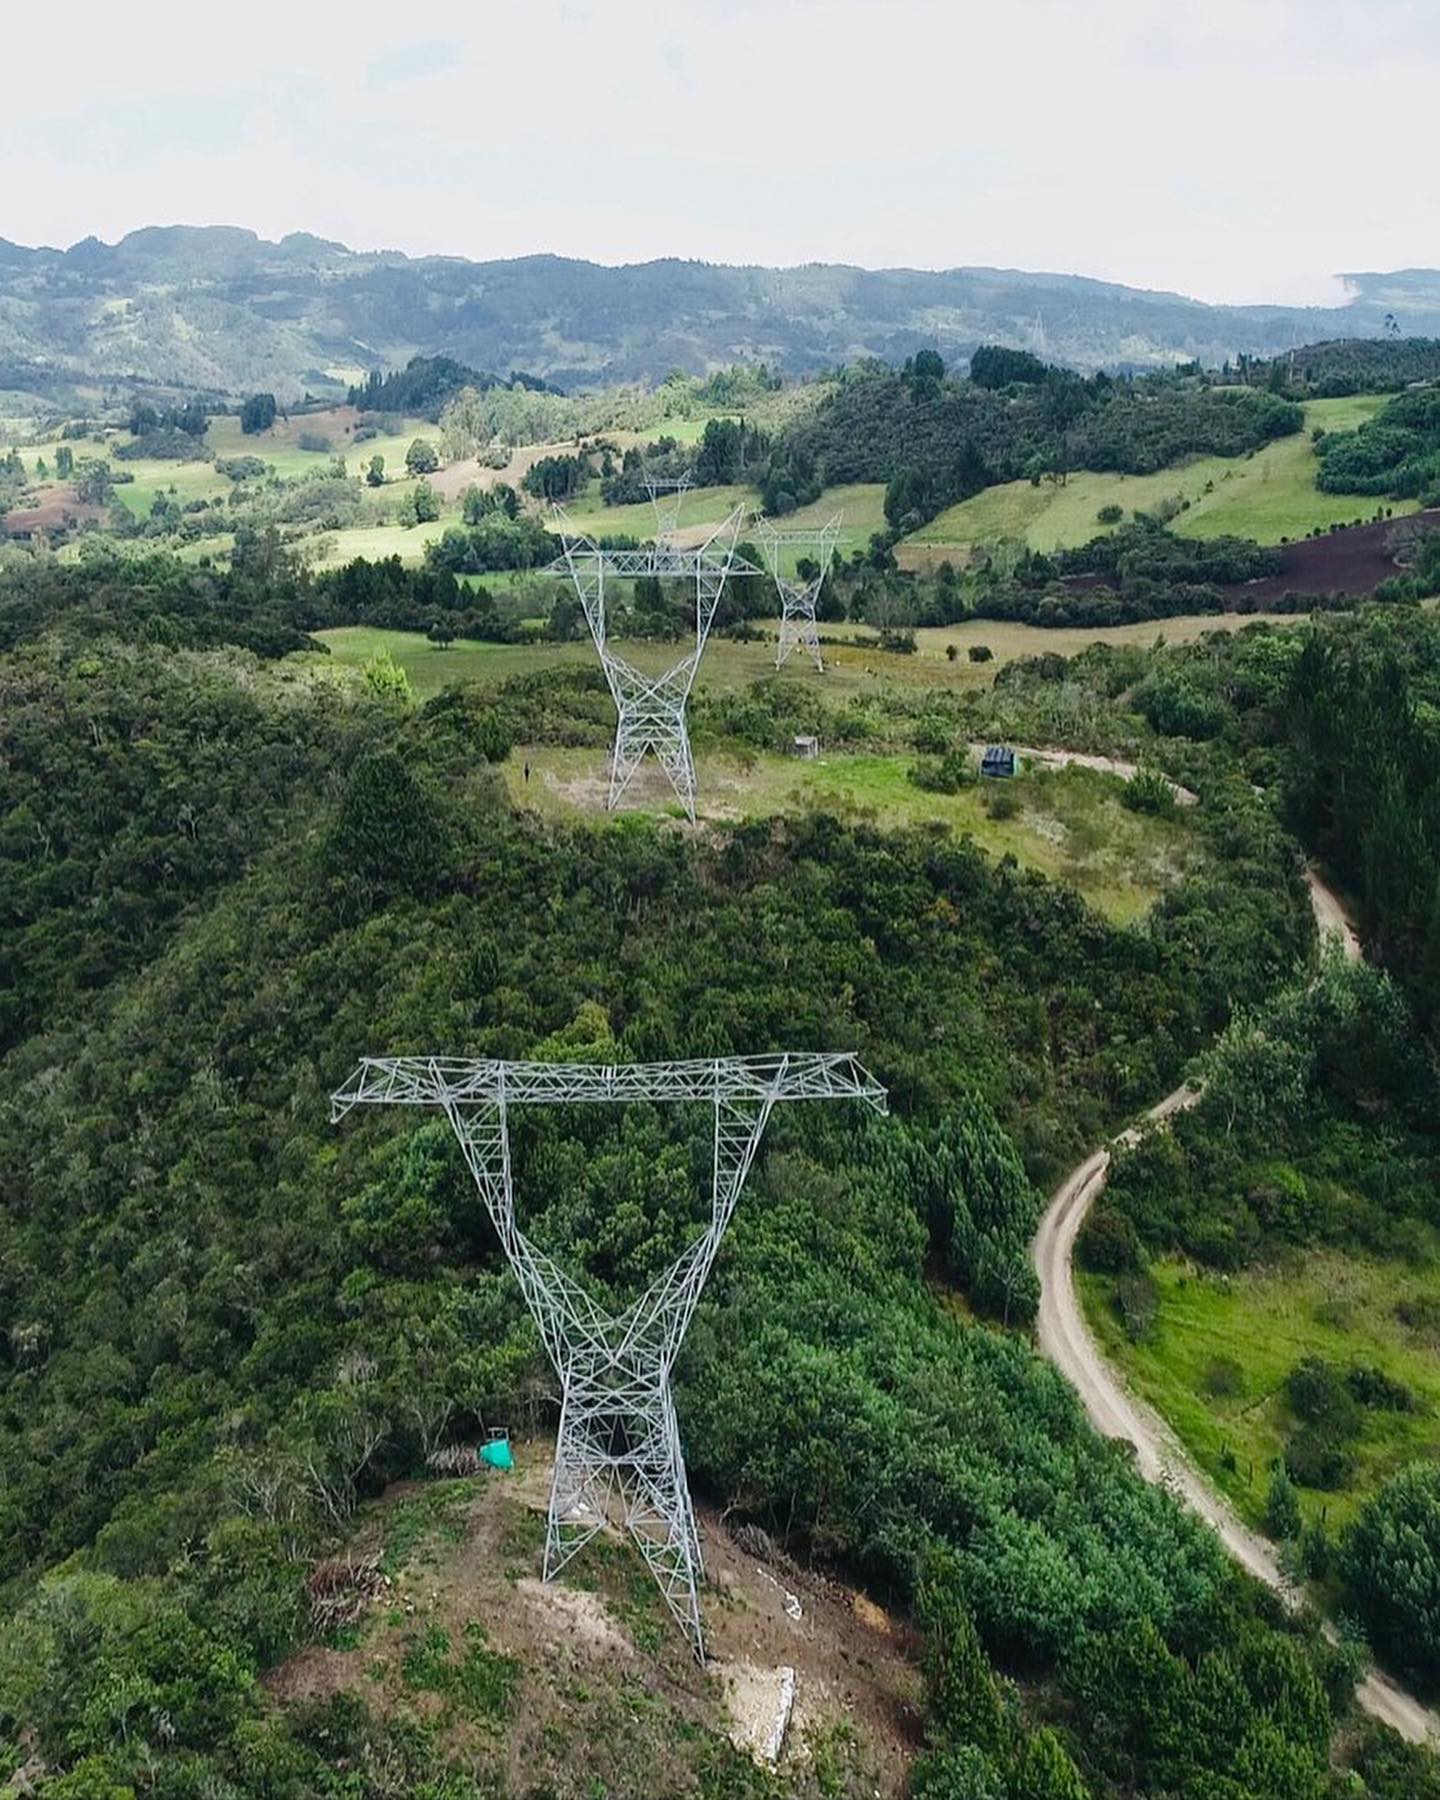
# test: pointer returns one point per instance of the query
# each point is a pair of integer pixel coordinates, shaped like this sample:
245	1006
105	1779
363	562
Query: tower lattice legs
651	708
661	1520
799	599
580	1490
639	731
798	629
619	1440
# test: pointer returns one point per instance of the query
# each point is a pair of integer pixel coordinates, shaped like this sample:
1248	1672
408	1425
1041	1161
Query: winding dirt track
1066	1340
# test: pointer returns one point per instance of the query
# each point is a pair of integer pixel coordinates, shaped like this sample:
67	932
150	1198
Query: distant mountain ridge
218	309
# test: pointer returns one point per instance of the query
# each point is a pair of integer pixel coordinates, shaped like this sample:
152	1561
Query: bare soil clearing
57	506
1354	560
606	1685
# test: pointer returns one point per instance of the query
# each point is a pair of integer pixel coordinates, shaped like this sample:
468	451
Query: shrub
1282	1505
315	441
1176	709
932	736
1391	1559
1372	1387
980	653
1150	792
1280	1200
1316	1459
1111	514
1320	1395
1110	1244
1003	803
241	468
1137	1301
944	774
1224	1378
1422	1316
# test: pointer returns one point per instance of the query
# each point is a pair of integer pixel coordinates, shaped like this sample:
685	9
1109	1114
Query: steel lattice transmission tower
667	497
798	599
618	1437
651	708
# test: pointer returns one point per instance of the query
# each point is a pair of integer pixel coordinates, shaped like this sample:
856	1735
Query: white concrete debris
785	1705
793	1608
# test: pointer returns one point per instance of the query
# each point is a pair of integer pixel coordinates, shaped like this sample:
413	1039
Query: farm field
1340	1307
281	444
703	506
335	548
850	668
1267	496
1071	826
861	505
280	448
727	664
1007	639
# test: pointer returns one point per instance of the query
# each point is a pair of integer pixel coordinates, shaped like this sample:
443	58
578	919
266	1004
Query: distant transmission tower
618	1438
667	497
798	599
651	708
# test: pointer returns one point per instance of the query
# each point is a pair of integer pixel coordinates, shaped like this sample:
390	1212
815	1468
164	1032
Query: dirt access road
1113	1410
1081	759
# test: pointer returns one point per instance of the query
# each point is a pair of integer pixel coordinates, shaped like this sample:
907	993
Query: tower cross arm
800	534
654	559
456	1081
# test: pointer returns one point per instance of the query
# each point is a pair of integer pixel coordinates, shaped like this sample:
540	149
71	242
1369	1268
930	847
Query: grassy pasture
1340	1307
703	506
850	668
1008	640
189	480
726	664
280	445
1072	826
376	541
1266	496
861	503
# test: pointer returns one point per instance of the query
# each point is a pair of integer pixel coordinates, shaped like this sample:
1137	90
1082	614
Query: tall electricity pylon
667	496
651	708
618	1438
798	599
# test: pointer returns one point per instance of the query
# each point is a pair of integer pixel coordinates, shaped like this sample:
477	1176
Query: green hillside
1268	495
246	1354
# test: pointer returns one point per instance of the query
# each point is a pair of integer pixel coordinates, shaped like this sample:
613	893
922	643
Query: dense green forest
1349	365
224	1323
1397	452
1364	783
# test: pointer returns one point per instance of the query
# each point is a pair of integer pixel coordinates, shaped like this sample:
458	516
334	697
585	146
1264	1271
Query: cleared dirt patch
56	508
604	1685
1354	560
576	1615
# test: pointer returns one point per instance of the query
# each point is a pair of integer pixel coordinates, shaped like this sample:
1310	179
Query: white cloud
1247	150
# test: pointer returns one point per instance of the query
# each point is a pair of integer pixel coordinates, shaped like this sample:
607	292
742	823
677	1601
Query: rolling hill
221	310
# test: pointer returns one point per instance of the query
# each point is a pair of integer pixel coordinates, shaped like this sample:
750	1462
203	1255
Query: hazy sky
1242	150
